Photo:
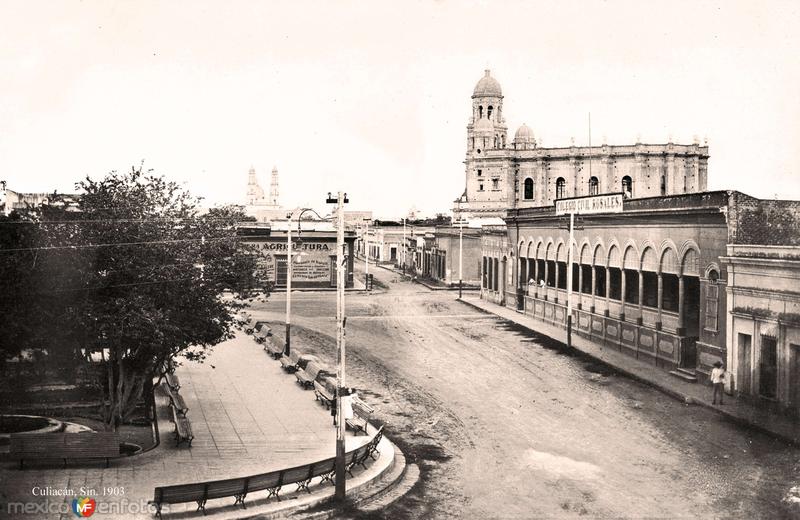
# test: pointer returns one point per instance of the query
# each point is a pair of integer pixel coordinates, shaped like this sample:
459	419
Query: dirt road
506	424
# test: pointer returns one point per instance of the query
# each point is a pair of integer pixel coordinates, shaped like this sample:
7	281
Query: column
546	276
608	290
555	266
660	299
594	286
580	285
641	298
622	294
681	328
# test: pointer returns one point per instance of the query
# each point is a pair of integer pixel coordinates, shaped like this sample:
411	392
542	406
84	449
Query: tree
134	276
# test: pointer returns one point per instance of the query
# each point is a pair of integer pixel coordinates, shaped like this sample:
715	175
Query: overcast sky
373	98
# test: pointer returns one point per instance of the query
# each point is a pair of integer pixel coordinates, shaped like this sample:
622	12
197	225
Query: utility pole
366	253
460	255
339	467
287	346
569	278
404	246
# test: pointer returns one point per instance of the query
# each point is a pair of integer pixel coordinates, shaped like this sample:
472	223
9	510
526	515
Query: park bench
183	428
272	482
292	362
361	414
323	393
173	381
176	401
64	446
307	376
273	348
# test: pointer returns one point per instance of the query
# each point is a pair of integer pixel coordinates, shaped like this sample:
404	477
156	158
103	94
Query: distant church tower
273	187
255	195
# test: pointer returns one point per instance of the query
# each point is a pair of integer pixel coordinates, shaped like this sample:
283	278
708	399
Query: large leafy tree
134	275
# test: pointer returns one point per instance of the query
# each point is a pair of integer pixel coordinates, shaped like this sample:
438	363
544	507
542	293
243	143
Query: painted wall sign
588	205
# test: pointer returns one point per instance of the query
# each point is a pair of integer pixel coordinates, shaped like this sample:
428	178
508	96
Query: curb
675	394
394	475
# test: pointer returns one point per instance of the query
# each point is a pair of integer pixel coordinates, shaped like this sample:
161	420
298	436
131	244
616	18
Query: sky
372	98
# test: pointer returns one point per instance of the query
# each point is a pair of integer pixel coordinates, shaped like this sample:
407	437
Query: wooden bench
64	446
323	393
307	376
173	381
183	428
361	414
273	348
262	335
272	482
291	363
176	401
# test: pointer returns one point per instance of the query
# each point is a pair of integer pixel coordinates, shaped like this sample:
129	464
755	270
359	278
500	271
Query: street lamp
287	346
460	255
404	246
339	466
366	252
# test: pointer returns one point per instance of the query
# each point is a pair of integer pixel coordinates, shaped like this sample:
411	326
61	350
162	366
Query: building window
489	111
480	187
480	112
627	187
495	184
560	184
528	195
663	185
712	301
594	186
480	172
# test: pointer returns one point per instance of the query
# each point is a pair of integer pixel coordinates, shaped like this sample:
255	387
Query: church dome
524	133
487	87
484	126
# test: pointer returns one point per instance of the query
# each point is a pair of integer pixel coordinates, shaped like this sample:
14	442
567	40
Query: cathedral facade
502	174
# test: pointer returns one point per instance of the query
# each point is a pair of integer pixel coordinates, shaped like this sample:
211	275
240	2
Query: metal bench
291	363
176	400
324	393
272	482
64	446
361	414
183	428
308	375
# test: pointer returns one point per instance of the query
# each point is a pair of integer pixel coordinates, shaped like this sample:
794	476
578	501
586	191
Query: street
507	424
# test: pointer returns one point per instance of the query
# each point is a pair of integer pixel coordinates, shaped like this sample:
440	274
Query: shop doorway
768	367
744	376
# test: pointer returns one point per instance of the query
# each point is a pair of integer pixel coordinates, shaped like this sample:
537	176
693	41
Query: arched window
594	186
480	112
560	184
627	186
528	194
663	185
489	112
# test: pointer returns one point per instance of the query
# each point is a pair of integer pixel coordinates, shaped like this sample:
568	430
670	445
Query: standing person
347	403
718	382
333	407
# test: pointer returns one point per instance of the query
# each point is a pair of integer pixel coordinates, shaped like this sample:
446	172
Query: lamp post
404	246
339	466
287	349
366	252
460	255
287	346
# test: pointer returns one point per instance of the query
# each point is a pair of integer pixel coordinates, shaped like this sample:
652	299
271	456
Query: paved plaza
248	416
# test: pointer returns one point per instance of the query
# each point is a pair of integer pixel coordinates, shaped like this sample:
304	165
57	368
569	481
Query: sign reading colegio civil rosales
586	205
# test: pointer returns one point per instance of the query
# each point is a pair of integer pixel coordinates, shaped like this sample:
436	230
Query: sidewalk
735	409
424	283
247	416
